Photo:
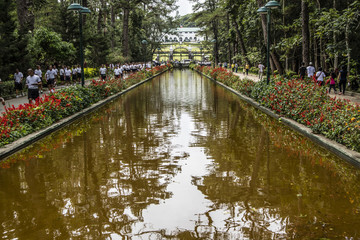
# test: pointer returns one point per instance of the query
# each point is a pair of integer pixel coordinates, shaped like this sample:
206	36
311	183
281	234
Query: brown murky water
178	158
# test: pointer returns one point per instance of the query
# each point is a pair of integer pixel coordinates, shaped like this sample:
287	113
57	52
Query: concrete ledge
23	142
338	149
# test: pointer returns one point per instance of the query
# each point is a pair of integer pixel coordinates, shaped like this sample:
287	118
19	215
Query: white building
191	34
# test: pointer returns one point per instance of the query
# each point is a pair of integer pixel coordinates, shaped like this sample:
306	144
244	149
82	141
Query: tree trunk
125	33
316	51
229	39
25	16
348	51
274	56
305	31
336	57
241	41
84	4
112	27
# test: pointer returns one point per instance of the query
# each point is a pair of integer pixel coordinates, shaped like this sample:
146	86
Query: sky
185	7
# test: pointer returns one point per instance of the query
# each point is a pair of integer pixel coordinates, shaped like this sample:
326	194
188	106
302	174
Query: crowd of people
66	74
335	77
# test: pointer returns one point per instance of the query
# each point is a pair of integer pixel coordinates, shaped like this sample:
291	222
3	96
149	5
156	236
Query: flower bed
20	121
302	101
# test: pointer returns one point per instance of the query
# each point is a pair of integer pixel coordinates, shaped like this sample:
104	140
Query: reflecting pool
178	158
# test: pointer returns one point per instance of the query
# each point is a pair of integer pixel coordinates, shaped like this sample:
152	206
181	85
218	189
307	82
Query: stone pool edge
338	149
23	142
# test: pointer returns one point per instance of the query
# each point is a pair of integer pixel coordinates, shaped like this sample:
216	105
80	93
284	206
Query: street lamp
201	58
144	42
158	54
267	10
171	53
81	10
189	48
180	51
214	57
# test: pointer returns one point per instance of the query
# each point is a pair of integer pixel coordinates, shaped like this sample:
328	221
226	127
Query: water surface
178	158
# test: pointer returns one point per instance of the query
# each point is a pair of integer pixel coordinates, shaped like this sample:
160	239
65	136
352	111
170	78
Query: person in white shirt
310	70
62	73
18	77
33	82
103	72
74	74
117	72
67	73
56	74
38	72
261	70
50	76
78	71
320	76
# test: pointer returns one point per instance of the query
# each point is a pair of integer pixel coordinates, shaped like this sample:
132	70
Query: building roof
187	29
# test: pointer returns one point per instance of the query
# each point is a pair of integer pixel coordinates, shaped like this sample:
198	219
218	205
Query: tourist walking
74	75
310	70
117	72
50	77
302	71
38	72
233	67
261	70
247	67
332	82
236	67
62	74
103	72
33	82
18	78
343	74
78	72
56	74
320	76
67	73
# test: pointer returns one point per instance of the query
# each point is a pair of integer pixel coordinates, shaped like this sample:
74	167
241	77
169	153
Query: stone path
352	96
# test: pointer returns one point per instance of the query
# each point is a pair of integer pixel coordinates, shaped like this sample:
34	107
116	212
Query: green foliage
9	54
300	100
46	47
20	121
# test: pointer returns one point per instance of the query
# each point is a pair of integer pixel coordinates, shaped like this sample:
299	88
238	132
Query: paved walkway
352	96
21	100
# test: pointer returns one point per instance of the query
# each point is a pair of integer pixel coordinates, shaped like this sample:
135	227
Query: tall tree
305	32
25	15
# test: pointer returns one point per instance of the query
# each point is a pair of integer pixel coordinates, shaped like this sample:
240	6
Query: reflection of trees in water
99	182
268	188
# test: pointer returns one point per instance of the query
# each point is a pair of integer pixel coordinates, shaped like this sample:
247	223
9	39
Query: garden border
23	142
338	149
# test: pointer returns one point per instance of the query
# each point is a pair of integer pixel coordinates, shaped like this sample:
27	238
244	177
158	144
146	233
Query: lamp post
190	48
180	51
158	54
214	41
267	10
81	10
201	58
171	53
144	42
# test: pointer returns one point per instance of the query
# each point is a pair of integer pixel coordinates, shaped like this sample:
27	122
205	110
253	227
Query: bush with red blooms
20	121
301	100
